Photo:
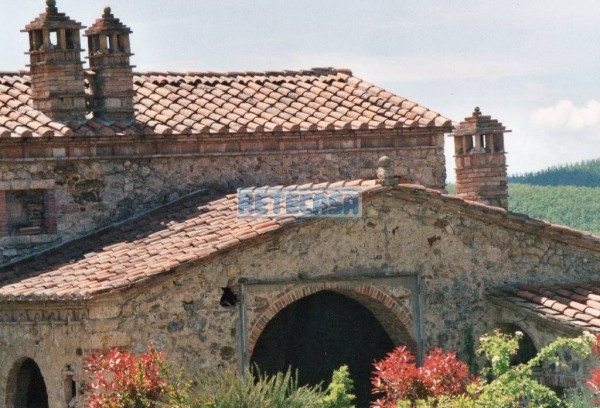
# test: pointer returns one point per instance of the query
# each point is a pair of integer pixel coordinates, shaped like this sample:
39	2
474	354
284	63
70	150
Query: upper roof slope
231	102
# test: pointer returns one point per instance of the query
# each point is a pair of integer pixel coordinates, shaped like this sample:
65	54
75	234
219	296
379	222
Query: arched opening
27	388
319	333
527	349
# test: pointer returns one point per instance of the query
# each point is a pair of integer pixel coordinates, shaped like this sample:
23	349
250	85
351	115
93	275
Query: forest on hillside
582	174
576	207
566	195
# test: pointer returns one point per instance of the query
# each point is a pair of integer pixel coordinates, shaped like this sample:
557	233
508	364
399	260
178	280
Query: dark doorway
30	387
527	349
320	333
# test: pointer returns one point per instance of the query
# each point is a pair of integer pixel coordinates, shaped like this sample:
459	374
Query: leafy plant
339	392
594	381
122	381
398	378
507	386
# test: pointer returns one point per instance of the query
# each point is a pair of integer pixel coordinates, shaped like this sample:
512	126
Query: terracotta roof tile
120	256
198	226
574	305
332	99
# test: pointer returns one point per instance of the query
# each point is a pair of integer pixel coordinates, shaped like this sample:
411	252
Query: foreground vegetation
120	380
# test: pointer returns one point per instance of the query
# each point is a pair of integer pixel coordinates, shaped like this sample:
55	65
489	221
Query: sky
533	65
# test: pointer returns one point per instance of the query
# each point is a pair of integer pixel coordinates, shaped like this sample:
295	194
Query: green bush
513	386
230	390
339	392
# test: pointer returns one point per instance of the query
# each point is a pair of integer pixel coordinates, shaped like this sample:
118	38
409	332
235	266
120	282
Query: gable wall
456	258
98	182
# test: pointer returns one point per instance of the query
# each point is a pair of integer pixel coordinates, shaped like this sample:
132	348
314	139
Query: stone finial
51	6
476	112
107	11
385	172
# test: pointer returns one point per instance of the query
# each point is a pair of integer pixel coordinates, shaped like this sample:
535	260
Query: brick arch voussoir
395	318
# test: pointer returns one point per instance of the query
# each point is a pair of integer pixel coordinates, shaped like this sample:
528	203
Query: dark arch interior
527	349
320	333
30	387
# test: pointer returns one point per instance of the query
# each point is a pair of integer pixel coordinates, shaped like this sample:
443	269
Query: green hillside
582	174
576	207
567	195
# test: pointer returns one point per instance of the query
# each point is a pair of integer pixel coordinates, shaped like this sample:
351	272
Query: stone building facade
122	231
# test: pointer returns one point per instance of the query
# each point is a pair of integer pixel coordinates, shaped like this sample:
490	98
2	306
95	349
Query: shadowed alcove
319	333
27	388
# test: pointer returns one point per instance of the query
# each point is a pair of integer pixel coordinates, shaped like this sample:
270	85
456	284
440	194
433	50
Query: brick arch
395	319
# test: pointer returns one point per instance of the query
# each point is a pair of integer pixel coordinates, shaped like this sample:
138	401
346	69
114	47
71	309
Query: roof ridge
284	72
19	72
536	225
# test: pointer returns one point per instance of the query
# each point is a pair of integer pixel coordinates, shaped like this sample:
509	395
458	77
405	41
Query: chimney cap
52	20
478	124
108	23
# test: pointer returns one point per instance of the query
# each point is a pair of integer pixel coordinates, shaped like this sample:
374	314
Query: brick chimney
112	80
481	160
57	75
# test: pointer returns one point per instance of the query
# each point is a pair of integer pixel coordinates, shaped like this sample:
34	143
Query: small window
483	142
228	298
110	43
69	386
28	212
53	39
71	43
38	40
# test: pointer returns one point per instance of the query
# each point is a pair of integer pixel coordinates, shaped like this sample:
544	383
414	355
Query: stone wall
93	187
456	257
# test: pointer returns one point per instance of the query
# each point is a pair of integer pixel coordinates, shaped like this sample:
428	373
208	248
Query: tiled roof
234	102
201	226
191	229
573	305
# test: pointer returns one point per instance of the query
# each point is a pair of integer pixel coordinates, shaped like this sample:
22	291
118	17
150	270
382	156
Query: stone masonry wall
95	191
456	257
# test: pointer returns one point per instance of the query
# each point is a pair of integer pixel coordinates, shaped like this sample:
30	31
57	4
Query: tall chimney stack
112	80
57	75
481	160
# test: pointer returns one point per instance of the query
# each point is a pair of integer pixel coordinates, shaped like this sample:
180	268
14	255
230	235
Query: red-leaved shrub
397	377
121	380
594	381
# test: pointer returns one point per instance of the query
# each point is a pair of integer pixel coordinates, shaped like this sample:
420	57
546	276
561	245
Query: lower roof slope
190	229
574	305
229	103
200	226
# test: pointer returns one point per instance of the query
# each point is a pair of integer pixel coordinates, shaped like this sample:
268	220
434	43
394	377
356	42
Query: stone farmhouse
120	226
